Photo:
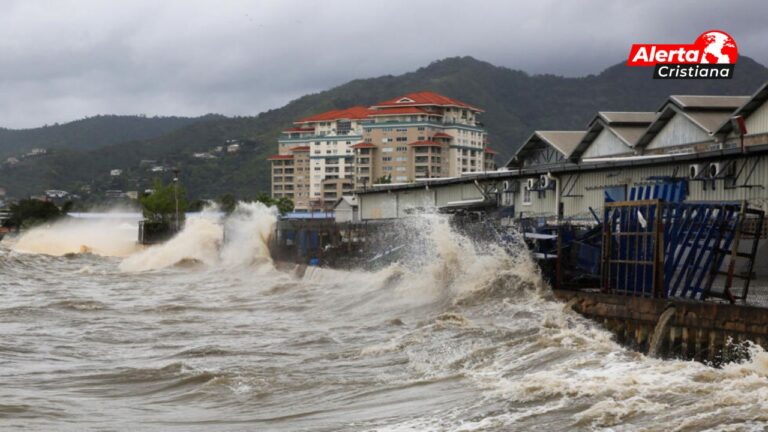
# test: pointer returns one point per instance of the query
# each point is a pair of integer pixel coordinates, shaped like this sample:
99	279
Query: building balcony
318	136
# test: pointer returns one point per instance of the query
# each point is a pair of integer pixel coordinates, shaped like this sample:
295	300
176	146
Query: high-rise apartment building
416	136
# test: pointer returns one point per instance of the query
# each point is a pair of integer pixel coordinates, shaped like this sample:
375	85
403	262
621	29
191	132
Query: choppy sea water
203	335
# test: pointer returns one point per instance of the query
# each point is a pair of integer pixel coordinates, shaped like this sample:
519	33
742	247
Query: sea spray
105	237
199	241
444	263
247	231
385	350
238	240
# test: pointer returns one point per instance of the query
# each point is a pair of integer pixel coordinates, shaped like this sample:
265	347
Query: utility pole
176	195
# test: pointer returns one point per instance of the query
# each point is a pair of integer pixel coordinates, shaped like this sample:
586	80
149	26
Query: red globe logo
717	47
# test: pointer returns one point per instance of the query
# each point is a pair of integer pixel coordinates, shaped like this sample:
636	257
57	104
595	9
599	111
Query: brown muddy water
196	335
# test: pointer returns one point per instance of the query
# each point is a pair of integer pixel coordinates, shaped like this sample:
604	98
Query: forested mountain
515	104
90	133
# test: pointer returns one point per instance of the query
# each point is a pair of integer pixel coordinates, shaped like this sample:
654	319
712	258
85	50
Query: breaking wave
456	336
202	240
110	237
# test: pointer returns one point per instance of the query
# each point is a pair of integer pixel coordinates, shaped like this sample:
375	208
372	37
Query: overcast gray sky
63	60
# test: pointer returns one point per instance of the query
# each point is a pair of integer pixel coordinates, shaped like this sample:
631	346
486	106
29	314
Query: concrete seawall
703	331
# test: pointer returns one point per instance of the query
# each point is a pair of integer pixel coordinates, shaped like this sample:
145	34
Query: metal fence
693	250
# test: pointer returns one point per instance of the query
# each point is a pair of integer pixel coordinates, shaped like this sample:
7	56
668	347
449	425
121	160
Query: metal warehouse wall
397	203
757	123
579	191
591	186
678	131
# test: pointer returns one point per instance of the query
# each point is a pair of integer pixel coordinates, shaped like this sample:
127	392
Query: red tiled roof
442	135
299	129
363	145
280	157
354	113
400	111
490	150
425	98
300	149
426	144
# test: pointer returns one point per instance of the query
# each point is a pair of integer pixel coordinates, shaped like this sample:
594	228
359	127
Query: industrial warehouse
711	148
650	222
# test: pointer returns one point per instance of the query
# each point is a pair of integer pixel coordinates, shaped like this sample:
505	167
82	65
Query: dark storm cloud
62	60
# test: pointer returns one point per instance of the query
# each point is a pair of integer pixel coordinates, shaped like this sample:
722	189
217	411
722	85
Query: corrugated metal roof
630	134
708	120
564	141
755	102
628	126
604	163
707	112
627	116
708	102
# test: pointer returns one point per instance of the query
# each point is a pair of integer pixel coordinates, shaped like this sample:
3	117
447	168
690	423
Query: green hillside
90	133
515	104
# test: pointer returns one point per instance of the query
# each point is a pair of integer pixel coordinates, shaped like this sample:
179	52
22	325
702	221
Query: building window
402	139
526	195
343	127
402	149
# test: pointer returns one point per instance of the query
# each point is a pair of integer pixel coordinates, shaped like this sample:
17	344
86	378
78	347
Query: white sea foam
105	237
202	240
456	336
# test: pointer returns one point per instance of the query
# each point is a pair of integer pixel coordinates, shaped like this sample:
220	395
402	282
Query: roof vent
405	100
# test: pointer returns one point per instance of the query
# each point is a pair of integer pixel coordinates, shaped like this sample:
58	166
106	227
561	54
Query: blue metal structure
653	248
667	190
